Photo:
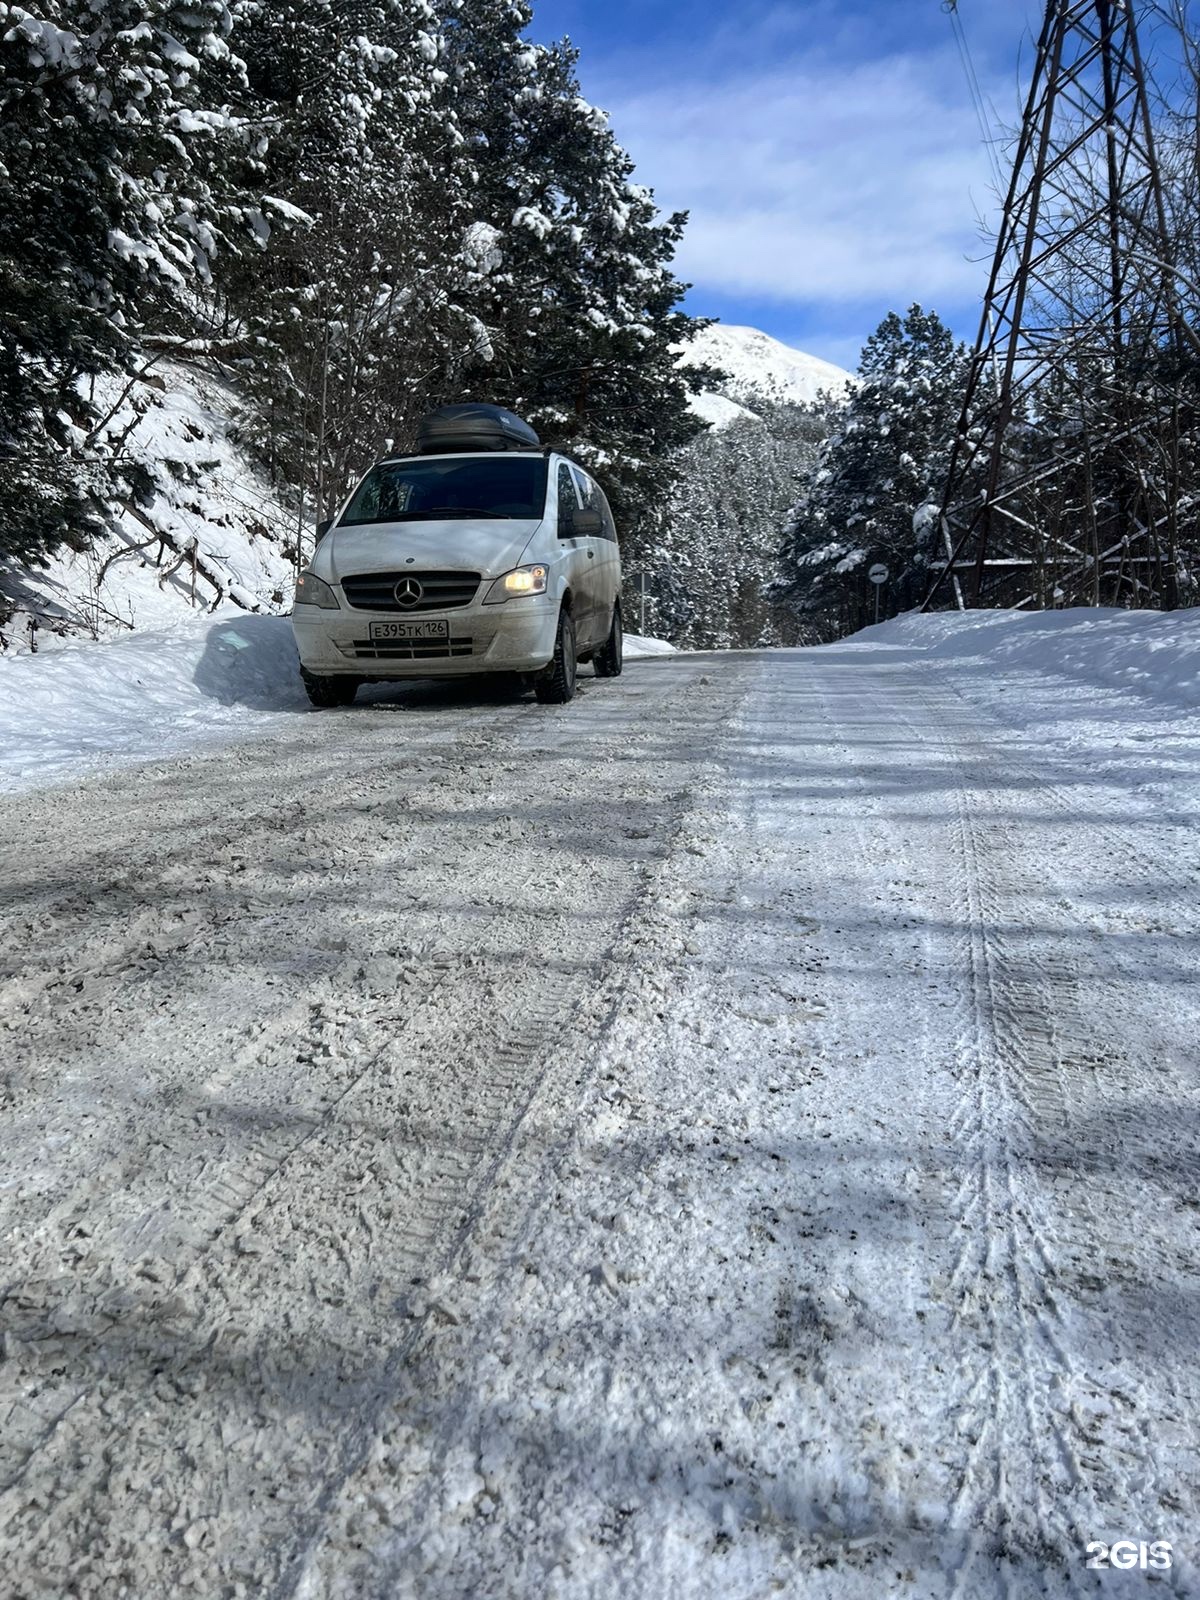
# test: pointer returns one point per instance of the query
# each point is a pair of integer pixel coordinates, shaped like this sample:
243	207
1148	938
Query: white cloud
815	182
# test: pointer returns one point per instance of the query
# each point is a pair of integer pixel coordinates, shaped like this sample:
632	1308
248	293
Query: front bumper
517	636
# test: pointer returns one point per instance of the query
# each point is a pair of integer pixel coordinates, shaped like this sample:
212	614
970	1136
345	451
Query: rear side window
610	526
594	499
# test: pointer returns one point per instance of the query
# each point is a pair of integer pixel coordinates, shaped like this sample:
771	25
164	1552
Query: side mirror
585	524
323	528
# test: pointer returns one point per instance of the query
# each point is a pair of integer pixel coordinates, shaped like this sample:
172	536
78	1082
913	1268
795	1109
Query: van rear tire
556	685
610	658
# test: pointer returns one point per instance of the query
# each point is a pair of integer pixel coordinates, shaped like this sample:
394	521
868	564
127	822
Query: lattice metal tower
1075	380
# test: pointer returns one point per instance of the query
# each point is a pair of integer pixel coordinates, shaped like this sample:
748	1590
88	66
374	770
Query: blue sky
827	149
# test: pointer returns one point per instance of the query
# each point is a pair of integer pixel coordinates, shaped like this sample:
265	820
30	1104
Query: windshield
429	490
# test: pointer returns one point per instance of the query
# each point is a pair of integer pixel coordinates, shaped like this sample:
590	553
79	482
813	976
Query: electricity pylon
1081	342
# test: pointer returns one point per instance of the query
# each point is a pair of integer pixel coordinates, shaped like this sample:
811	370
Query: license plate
411	632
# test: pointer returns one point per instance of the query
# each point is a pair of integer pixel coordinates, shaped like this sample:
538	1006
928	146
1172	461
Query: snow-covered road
735	1135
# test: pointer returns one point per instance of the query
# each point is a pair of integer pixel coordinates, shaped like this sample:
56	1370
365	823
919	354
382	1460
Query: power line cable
974	89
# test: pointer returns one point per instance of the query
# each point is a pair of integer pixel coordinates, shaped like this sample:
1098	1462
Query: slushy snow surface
735	1135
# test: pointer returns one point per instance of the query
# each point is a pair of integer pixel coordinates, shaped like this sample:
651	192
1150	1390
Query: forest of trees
356	210
884	460
716	563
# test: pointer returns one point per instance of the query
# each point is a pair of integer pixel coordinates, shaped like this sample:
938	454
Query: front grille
397	650
441	591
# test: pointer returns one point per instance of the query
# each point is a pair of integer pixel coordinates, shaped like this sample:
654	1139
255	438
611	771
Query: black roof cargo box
473	427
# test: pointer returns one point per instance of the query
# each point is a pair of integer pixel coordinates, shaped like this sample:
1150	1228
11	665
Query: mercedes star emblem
408	593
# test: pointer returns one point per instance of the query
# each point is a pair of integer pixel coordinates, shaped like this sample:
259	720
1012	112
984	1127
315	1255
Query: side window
587	489
610	526
593	498
566	500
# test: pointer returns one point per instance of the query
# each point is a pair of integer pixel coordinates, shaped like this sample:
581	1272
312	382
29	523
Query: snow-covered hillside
215	536
758	368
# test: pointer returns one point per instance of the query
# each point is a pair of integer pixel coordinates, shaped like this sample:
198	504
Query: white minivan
482	554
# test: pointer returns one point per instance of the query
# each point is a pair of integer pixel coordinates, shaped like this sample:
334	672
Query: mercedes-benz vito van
483	553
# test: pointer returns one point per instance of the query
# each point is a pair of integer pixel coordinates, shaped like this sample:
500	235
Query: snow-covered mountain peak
760	367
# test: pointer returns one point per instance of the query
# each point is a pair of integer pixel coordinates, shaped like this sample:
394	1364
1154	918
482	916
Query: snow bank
1155	654
86	706
639	649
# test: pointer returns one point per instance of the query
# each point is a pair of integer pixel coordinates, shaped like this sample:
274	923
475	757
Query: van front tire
556	685
326	693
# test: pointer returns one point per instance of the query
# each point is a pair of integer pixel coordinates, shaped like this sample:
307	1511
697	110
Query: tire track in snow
875	835
87	924
1049	1057
524	1163
1049	778
158	1239
1014	1495
434	1207
1002	1500
189	1397
1034	1488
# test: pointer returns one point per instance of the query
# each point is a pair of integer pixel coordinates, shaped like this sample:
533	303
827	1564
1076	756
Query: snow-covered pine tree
884	462
428	208
115	139
720	550
579	297
354	316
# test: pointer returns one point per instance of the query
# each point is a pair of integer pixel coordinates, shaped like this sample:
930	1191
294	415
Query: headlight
314	591
521	581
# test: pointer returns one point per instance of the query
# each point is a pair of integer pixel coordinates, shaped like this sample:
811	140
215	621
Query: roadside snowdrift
86	706
639	649
1154	654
